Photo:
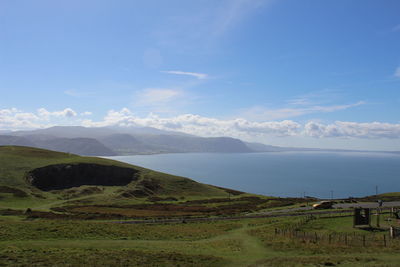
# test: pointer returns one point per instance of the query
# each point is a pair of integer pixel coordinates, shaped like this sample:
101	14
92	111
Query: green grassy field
151	194
81	226
250	242
16	192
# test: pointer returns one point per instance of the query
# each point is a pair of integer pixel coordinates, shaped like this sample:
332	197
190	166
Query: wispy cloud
234	11
201	27
322	101
259	113
160	100
155	96
397	72
396	28
315	98
200	76
77	93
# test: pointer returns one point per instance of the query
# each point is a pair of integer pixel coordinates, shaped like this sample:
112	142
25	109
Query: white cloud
68	112
199	76
113	118
397	72
14	119
198	125
86	113
249	130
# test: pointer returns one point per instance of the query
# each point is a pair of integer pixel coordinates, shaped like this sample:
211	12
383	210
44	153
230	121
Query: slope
28	174
80	146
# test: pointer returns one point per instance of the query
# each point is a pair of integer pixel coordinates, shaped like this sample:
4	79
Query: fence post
378	217
384	240
345	239
363	240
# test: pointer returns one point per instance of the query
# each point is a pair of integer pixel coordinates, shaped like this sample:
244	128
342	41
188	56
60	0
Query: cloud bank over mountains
15	119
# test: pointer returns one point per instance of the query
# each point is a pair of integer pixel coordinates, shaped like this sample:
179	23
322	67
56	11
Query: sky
305	73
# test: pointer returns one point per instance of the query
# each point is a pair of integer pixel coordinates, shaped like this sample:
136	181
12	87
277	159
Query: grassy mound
17	164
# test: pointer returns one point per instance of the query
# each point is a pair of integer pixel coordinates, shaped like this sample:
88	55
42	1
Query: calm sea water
294	174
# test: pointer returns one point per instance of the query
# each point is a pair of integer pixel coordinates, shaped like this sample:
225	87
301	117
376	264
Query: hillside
30	175
9	140
185	144
80	146
127	144
69	132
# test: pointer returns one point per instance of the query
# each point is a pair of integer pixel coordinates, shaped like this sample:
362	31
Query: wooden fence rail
355	240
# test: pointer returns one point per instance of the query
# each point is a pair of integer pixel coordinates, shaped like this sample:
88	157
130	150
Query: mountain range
113	141
108	141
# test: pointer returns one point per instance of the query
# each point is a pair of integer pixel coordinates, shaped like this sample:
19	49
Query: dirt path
253	249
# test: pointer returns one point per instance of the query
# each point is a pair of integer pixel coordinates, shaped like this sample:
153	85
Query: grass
391	196
67	240
249	242
152	194
24	256
16	162
75	230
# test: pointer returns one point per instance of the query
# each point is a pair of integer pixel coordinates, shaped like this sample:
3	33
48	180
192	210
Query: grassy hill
16	163
61	185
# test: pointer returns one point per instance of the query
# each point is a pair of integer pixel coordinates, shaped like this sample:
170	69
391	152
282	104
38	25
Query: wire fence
381	238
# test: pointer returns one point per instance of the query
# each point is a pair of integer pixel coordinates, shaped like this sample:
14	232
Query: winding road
338	209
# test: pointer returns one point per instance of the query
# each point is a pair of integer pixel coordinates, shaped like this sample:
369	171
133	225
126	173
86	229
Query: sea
284	174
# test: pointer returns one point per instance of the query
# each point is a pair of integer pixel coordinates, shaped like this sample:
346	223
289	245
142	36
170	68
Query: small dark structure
63	176
362	217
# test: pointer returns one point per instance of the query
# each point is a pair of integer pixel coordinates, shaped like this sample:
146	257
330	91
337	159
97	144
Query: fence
378	239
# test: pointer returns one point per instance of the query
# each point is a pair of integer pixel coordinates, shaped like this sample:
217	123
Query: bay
285	174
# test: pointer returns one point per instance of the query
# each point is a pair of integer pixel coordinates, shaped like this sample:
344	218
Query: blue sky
284	72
